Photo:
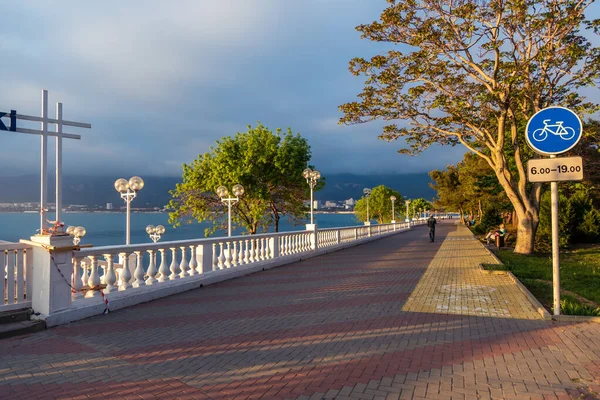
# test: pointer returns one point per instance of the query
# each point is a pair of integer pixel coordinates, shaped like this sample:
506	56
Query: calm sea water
104	229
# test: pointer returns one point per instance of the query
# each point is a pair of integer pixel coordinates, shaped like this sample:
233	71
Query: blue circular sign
553	130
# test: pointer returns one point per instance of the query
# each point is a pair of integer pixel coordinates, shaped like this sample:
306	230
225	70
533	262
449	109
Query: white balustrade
205	256
16	291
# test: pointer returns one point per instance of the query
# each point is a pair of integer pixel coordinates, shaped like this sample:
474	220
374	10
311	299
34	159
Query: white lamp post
407	216
78	232
128	190
367	193
222	192
155	232
311	178
393	199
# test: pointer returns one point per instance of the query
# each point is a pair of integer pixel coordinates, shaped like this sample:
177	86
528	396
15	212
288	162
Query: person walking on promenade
431	224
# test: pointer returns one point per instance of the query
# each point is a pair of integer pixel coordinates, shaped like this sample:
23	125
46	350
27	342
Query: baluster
295	243
94	279
221	258
251	251
247	252
234	255
110	278
183	266
75	280
84	275
163	270
268	254
228	255
261	248
215	260
138	273
193	262
257	250
281	245
151	268
174	267
125	274
241	252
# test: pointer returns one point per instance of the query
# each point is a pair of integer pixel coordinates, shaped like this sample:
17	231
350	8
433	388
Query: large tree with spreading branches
472	72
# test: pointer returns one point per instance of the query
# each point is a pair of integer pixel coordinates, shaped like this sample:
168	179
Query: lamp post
78	232
128	190
393	199
311	178
155	232
407	202
367	193
222	192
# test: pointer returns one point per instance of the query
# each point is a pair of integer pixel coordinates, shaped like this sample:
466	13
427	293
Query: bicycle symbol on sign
565	132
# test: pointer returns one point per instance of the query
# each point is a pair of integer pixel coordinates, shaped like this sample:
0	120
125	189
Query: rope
72	283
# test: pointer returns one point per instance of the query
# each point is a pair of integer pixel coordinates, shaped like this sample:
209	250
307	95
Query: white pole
128	201
311	204
393	216
58	161
555	246
368	219
228	217
44	158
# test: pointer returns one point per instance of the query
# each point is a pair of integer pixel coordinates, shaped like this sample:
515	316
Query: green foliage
380	205
570	307
267	164
579	270
473	73
579	220
491	219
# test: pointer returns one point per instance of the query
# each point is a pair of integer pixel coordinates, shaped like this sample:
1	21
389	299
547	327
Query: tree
418	206
473	72
269	166
380	205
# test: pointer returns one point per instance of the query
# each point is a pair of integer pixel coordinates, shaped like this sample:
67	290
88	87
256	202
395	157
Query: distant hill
99	190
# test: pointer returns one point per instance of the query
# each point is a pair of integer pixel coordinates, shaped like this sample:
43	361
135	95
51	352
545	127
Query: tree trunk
526	228
462	215
480	210
277	223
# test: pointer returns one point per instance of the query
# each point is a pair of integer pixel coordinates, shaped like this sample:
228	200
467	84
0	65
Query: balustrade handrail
14	246
116	249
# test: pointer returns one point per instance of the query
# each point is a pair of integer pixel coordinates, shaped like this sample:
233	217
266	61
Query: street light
393	199
311	178
128	190
78	232
367	193
155	232
222	192
407	216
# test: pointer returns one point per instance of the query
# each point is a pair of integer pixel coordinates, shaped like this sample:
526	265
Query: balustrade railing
16	290
122	268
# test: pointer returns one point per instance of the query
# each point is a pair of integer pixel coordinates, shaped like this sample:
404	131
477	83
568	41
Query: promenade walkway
398	318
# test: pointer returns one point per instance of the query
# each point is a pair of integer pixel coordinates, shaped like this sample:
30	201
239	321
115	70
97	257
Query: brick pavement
398	318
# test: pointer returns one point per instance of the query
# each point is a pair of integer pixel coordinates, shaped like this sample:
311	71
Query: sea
108	228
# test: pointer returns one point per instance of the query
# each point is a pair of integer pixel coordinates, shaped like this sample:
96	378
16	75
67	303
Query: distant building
109	206
315	204
330	204
350	202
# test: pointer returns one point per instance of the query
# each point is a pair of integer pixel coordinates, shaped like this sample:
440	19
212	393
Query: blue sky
161	81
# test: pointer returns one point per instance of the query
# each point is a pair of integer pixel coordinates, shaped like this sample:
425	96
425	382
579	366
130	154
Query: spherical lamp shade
121	185
79	231
316	175
366	191
160	229
71	230
222	191
393	198
150	229
238	190
307	173
136	183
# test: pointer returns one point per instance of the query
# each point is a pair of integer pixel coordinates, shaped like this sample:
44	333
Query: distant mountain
99	190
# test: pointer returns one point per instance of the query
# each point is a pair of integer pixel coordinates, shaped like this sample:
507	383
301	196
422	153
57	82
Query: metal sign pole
58	177
555	246
44	163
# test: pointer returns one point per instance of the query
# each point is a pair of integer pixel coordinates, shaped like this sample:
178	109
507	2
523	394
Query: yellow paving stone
454	284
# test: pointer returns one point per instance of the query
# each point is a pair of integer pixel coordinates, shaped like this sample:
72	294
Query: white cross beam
59	134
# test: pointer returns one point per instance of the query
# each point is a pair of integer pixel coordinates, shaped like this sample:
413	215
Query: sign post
44	133
552	131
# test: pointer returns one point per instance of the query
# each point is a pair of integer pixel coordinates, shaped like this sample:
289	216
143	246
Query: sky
160	82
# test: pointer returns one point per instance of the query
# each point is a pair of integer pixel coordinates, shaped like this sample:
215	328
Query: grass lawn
579	274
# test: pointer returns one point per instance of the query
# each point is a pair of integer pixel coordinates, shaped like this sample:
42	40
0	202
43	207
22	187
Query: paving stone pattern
398	318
